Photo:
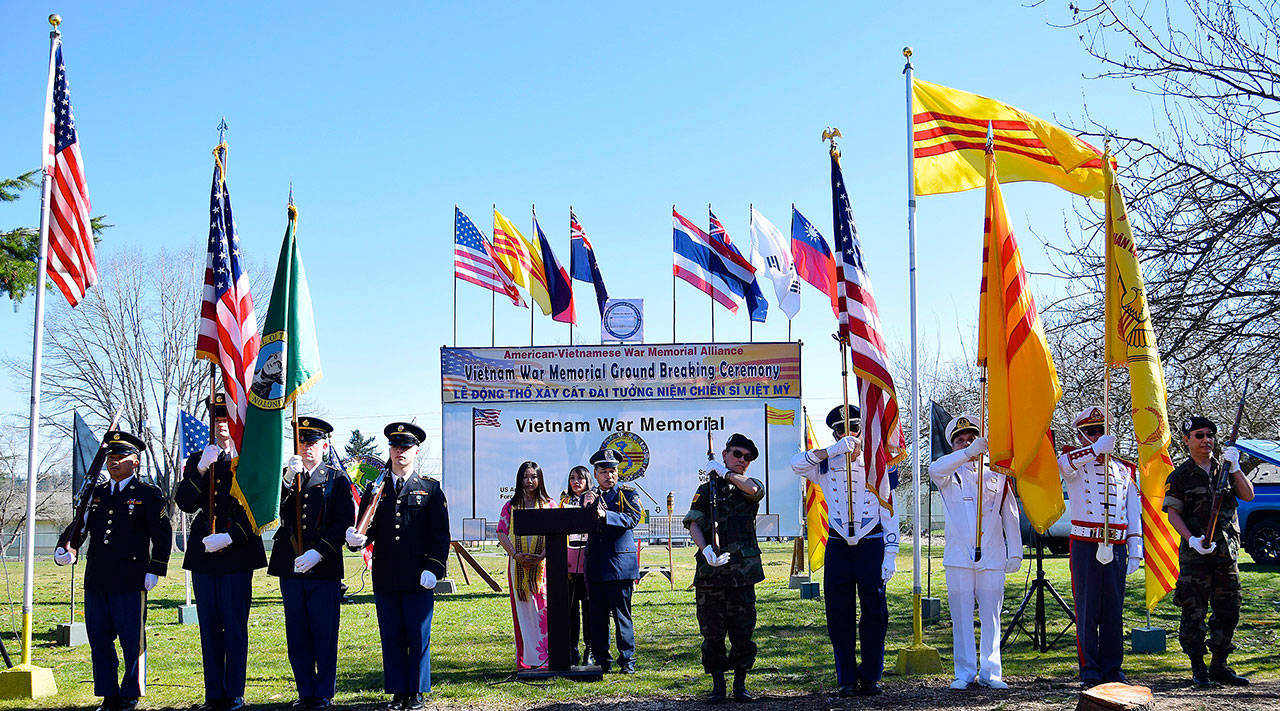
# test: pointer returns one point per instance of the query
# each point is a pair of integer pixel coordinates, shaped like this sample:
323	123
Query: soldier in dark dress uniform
612	564
1208	577
722	524
410	538
128	532
311	572
221	561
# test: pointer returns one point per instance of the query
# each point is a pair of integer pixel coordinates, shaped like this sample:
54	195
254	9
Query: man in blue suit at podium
612	565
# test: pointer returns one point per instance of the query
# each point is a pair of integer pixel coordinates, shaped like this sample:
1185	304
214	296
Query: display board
556	405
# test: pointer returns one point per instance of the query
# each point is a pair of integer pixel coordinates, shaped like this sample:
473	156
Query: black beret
1196	422
740	440
607	457
404	434
121	442
313	429
835	418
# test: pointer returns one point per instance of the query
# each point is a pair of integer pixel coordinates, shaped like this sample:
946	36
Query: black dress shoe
126	704
869	688
396	703
302	703
848	690
321	704
233	704
412	702
109	703
627	668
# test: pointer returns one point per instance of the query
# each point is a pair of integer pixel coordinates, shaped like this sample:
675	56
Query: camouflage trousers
1207	584
727	611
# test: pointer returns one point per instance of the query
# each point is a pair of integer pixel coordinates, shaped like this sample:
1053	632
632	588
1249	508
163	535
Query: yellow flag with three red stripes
949	129
815	509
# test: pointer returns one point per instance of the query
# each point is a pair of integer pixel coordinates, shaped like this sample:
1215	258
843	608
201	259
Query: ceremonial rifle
76	532
1224	474
374	498
711	489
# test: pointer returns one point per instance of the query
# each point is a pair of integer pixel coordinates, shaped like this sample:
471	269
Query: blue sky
385	117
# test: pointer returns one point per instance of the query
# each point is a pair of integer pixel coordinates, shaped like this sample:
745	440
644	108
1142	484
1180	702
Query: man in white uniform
860	557
1105	512
971	576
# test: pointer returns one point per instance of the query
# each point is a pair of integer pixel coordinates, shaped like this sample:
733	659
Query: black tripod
1039	633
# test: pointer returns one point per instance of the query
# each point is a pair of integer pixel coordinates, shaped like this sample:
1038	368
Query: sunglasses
740	454
1092	431
1202	435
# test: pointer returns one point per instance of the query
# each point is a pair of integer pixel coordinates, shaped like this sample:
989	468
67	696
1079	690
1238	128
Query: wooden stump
1116	696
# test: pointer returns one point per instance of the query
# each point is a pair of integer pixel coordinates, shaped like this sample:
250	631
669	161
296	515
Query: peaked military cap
218	405
835	418
963	423
1196	422
741	441
607	457
121	442
313	429
1091	416
404	434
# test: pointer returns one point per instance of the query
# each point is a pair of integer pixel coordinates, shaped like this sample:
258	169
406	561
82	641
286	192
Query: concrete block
919	660
810	591
445	587
187	615
72	634
1147	640
27	681
930	609
797	581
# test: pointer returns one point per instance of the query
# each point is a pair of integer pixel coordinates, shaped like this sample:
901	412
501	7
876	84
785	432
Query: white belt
1094	532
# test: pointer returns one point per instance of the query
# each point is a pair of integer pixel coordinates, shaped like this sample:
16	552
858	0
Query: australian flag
582	261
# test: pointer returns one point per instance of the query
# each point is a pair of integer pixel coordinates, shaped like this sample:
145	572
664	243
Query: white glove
976	448
62	556
427	580
1011	565
712	469
149	581
1197	545
215	542
1232	455
208	457
889	566
306	561
295	464
356	540
844	445
1134	564
714	560
1106	444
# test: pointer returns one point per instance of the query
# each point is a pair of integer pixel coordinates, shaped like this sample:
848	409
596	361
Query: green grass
473	653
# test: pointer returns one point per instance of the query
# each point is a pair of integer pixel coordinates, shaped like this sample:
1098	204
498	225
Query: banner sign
623	372
508	406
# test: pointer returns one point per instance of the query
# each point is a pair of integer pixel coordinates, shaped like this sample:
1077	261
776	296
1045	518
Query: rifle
711	488
1223	479
76	531
374	498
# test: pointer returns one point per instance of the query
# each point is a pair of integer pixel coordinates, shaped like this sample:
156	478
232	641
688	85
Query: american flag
485	418
473	260
228	334
194	435
883	443
71	264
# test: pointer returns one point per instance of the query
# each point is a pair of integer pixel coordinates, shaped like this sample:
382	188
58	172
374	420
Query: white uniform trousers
986	587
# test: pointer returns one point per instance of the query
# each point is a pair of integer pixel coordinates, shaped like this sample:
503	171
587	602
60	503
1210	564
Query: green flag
288	365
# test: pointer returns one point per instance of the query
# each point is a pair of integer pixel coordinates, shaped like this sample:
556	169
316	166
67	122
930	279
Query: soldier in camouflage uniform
728	565
1209	578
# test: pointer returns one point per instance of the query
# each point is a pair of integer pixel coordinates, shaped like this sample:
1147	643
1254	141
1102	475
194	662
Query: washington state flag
288	365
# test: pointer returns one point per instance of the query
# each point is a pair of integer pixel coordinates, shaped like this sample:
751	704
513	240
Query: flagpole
455	279
533	210
1105	554
473	462
492	316
767	487
917	624
571	280
709	296
673	289
751	325
793	259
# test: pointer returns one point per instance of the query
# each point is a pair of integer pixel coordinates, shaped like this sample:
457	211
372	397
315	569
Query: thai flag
814	261
696	263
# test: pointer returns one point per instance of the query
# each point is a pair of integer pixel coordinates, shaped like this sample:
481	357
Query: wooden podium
556	525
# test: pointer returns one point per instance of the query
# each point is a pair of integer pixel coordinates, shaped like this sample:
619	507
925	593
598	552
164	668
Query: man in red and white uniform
1105	511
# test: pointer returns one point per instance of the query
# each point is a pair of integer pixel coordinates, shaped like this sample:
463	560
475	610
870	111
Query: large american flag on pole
228	334
882	440
473	260
71	264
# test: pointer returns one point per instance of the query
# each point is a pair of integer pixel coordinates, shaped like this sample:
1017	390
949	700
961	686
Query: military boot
1223	674
740	687
717	689
1199	674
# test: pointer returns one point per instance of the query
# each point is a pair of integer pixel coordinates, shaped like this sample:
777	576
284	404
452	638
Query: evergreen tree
20	246
359	445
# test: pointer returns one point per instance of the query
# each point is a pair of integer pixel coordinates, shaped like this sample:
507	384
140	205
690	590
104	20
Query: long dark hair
568	489
518	496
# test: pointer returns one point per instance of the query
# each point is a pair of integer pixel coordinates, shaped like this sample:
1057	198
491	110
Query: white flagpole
33	437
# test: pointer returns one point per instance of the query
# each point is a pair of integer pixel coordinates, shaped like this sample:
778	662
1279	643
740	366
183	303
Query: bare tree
53	474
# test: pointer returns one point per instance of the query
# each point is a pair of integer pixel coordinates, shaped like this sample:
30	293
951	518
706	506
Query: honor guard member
1105	511
128	532
1209	578
722	524
310	565
612	563
970	578
860	557
221	564
410	538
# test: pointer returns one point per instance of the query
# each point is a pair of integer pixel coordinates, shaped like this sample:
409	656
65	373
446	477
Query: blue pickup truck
1260	518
